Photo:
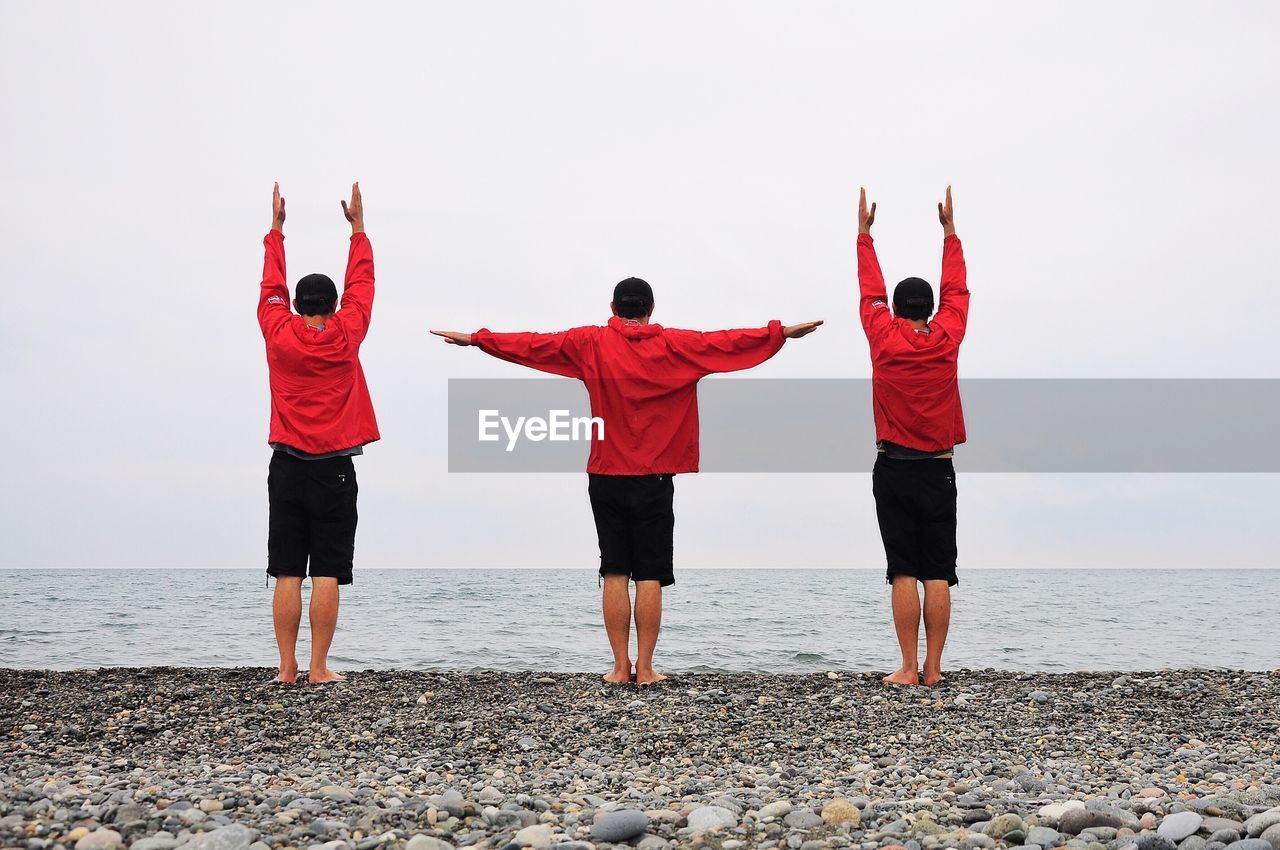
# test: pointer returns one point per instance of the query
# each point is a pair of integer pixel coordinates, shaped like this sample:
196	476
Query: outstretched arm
273	297
555	353
873	304
953	298
357	289
732	350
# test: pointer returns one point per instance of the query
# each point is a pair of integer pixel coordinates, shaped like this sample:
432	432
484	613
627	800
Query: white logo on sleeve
878	304
275	299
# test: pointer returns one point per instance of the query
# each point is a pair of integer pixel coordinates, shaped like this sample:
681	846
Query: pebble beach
218	759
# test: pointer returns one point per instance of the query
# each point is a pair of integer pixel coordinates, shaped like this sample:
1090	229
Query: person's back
919	422
642	380
321	417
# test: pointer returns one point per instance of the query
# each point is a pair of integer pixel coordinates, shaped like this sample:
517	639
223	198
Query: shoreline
218	759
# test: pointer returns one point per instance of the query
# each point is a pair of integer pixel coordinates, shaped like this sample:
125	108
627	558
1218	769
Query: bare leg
648	623
906	621
937	618
324	619
616	601
286	613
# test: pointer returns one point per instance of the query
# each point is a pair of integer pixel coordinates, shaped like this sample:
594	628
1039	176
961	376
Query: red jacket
915	394
642	381
319	400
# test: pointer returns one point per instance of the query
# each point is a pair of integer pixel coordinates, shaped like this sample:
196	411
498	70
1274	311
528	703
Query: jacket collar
634	330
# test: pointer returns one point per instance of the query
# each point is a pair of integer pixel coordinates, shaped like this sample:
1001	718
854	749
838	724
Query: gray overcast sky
1116	190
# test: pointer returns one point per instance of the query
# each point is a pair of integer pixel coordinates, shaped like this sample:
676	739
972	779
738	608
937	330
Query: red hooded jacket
642	381
915	394
319	399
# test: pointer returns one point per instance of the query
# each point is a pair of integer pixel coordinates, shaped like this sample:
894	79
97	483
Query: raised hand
947	216
802	329
355	210
866	217
454	338
277	209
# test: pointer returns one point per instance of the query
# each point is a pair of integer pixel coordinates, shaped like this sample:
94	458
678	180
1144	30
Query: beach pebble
620	825
802	819
1043	836
1179	825
1075	821
776	809
231	837
1004	825
427	842
155	842
1259	823
711	818
100	839
1243	844
537	836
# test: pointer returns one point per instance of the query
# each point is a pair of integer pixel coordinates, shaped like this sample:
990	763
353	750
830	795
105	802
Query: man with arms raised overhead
321	416
916	401
642	381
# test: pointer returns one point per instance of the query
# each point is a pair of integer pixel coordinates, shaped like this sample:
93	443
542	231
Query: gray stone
803	819
1179	825
1153	841
622	825
710	818
1192	842
657	842
1225	836
777	809
1271	835
100	839
232	837
1259	823
427	842
1004	825
1076	821
1042	835
1250	844
154	842
537	836
1215	824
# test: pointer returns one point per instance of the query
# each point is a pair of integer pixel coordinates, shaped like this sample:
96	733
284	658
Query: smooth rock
776	809
427	842
100	839
1043	835
1271	835
620	825
711	818
154	842
1243	844
1261	822
537	836
1076	821
802	819
231	837
1001	825
1179	825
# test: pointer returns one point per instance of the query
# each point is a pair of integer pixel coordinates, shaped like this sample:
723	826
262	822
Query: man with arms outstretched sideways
916	399
642	381
321	416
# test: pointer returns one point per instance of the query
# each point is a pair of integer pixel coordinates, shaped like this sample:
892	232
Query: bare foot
933	677
325	676
648	676
618	675
903	676
287	676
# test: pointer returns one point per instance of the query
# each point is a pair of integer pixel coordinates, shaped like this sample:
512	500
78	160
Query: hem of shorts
665	581
276	574
951	580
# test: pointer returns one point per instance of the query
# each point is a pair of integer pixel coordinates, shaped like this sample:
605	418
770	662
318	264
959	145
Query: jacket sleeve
273	299
726	351
873	304
557	353
357	288
953	301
